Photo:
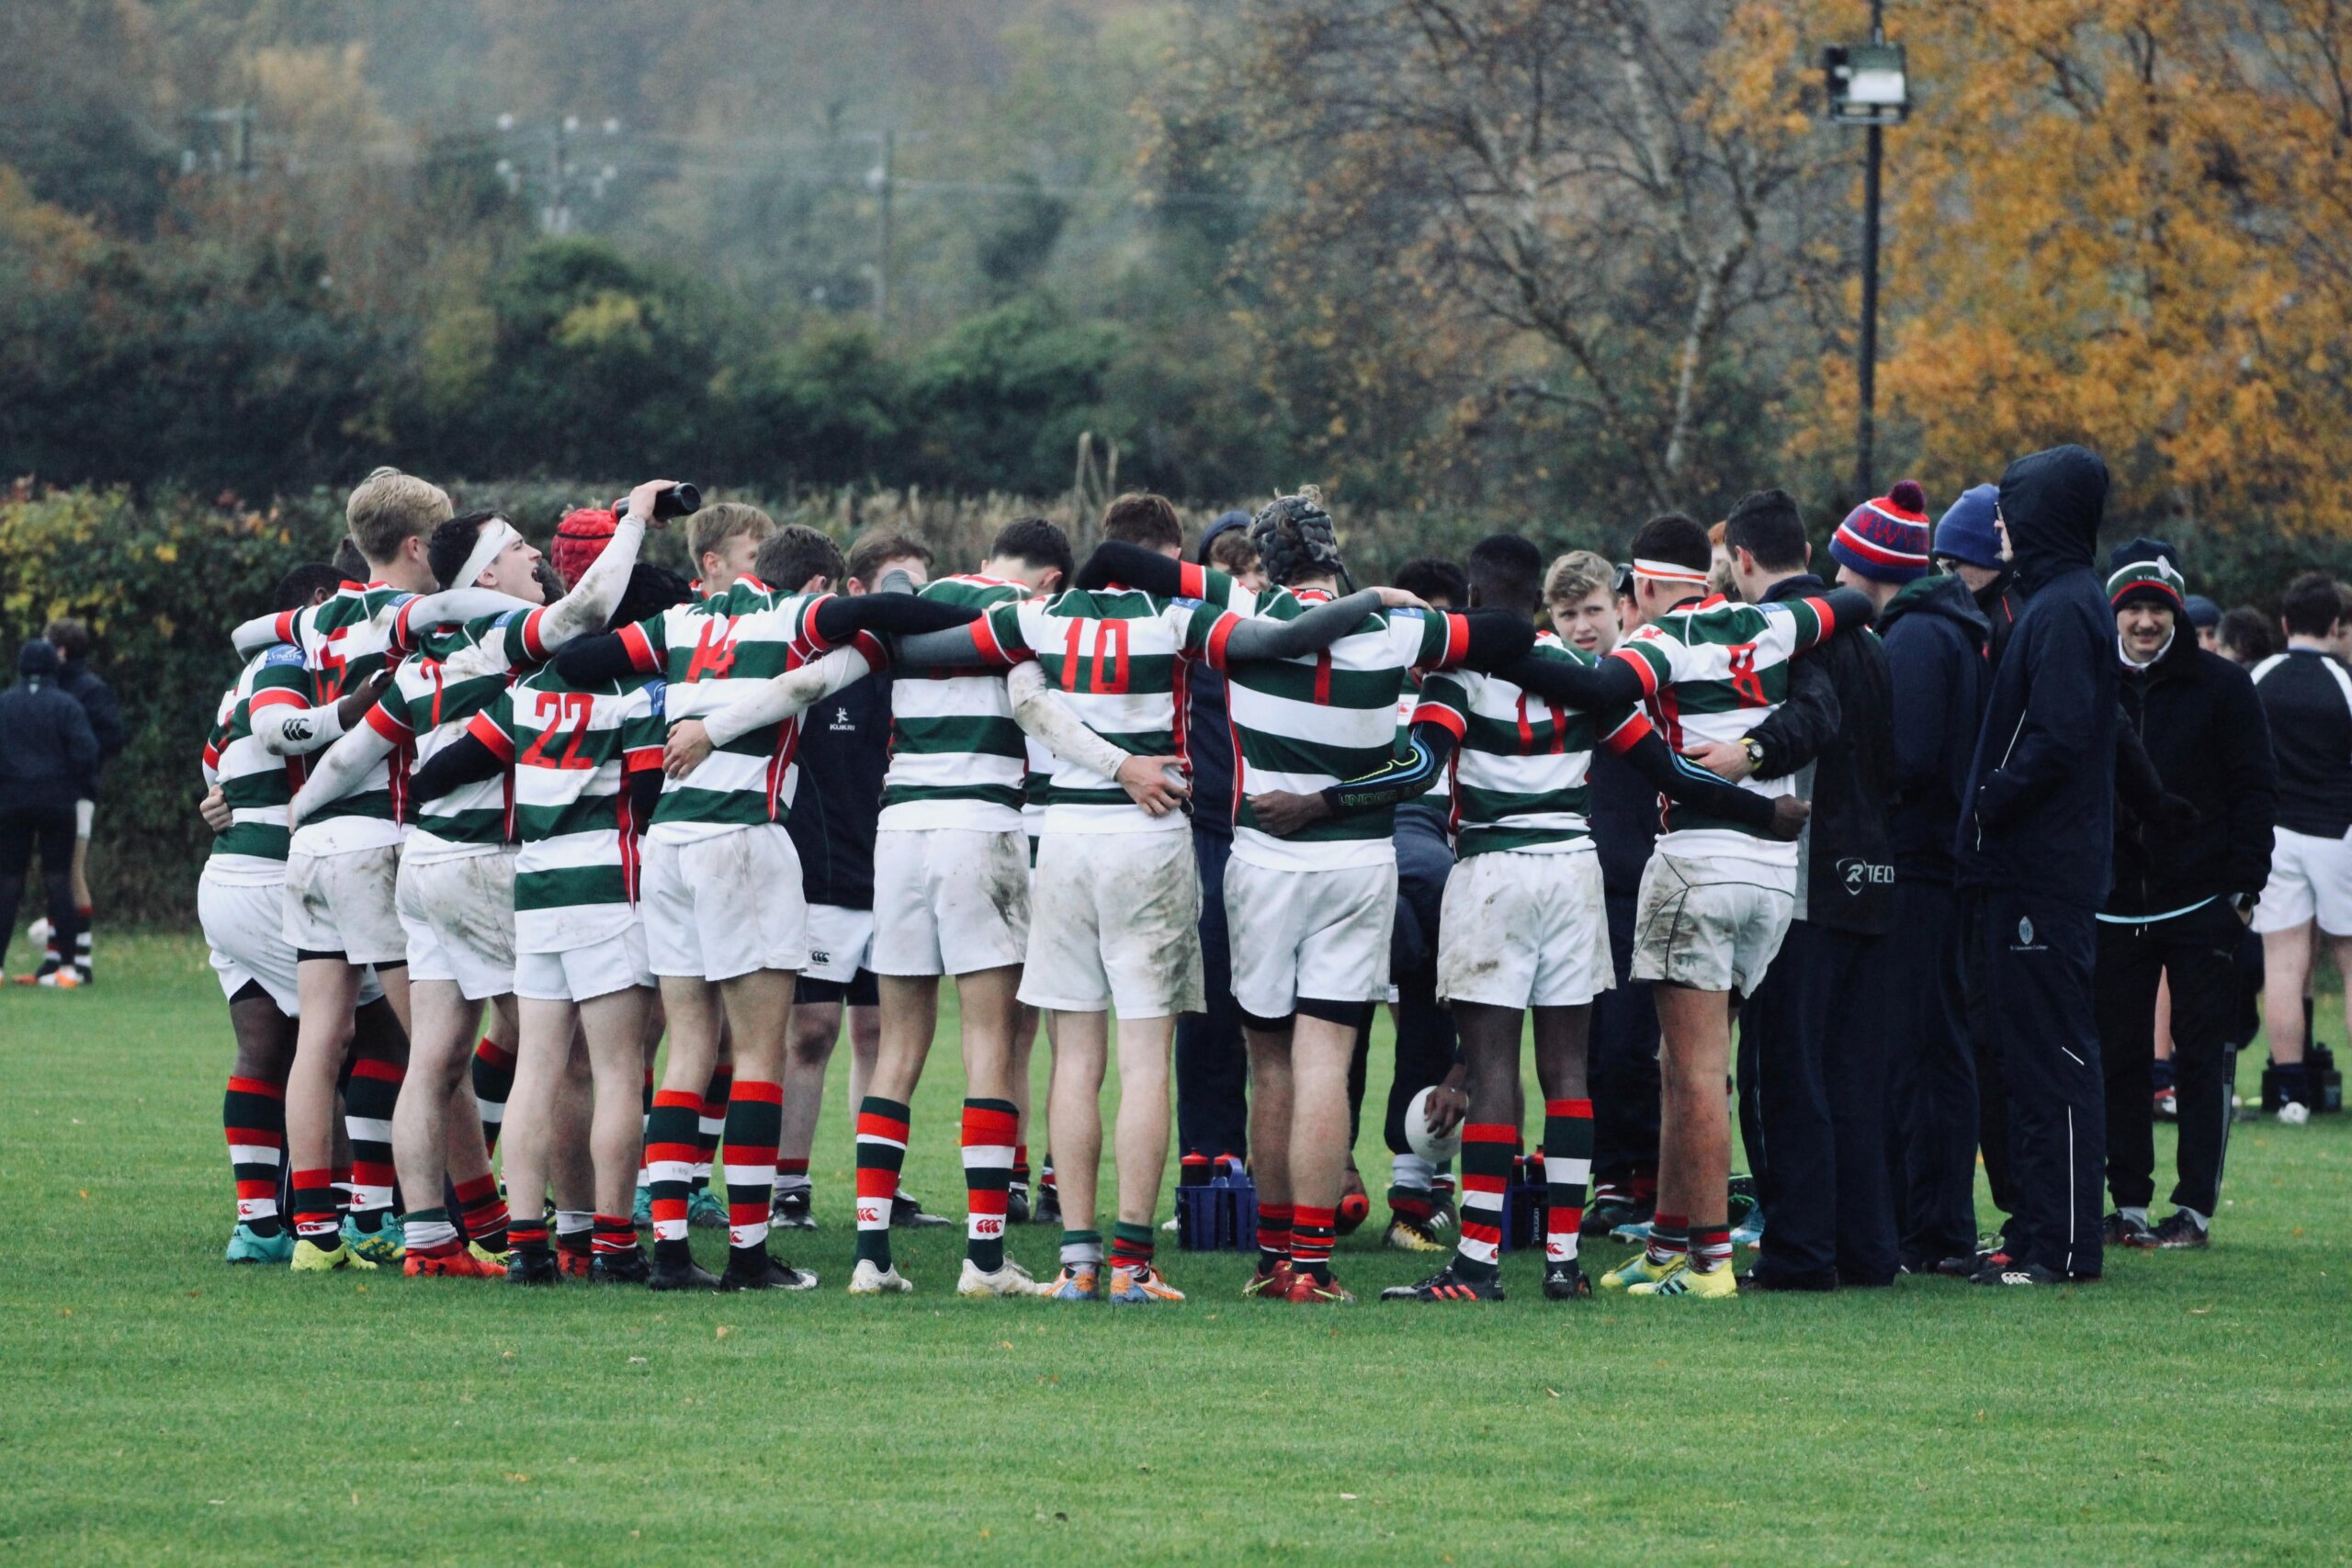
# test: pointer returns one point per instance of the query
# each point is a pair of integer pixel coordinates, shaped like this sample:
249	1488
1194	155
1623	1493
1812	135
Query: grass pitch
156	1405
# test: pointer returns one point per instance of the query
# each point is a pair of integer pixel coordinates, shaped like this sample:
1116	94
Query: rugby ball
1430	1145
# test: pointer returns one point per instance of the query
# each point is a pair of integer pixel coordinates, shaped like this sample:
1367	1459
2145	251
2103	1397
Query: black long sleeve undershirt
838	619
462	761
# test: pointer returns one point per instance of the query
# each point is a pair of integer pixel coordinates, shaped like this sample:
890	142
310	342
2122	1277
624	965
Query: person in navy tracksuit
2034	851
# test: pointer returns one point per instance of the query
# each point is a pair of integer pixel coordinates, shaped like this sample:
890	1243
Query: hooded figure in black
1937	636
48	756
2034	857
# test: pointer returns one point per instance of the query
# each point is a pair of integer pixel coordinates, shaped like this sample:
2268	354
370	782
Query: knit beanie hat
2203	612
2150	579
1886	539
1966	533
580	538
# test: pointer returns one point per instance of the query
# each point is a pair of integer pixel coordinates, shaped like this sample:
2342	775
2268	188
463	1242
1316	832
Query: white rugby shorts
2310	878
1115	922
840	941
949	900
244	925
1714	926
1322	934
345	903
722	906
458	914
584	974
1520	930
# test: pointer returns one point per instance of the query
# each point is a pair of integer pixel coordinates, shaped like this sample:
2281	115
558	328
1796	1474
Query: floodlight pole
1866	419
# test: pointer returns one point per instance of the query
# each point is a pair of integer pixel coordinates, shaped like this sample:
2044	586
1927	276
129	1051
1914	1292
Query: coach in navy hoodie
1936	637
2034	859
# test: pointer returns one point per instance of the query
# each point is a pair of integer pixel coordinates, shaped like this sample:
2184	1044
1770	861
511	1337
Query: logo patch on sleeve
282	653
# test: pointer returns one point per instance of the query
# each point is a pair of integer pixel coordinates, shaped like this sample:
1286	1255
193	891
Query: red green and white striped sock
1669	1238
791	1176
717	1102
1020	1163
1130	1244
1312	1232
493	1075
316	1220
253	1112
483	1210
429	1232
1487	1150
1710	1246
755	1122
1568	1170
368	1102
991	1128
615	1233
529	1236
882	1128
670	1158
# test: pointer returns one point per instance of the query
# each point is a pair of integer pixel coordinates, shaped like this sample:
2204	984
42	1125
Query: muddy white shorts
724	906
1116	922
244	925
1322	934
840	941
1714	926
949	900
458	914
584	974
2310	878
345	903
1519	930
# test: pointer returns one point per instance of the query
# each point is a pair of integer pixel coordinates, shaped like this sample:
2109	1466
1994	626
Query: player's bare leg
1074	1109
910	1008
254	1116
542	1053
1320	1050
1273	1092
613	1025
1694	1142
1024	1043
435	1113
696	1014
572	1165
328	991
1139	1149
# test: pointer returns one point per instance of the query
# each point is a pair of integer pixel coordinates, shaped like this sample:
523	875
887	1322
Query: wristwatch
1755	750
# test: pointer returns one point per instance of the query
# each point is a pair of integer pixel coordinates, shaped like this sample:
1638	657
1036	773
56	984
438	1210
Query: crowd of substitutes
492	825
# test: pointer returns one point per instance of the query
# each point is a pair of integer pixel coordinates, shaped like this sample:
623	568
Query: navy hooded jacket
1208	731
2041	797
1936	638
48	753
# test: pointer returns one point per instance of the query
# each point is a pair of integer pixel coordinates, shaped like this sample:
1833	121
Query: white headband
1668	570
496	535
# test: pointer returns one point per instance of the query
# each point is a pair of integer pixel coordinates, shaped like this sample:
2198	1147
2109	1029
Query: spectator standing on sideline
2205	616
2179	882
48	753
2243	637
2036	852
1969	546
1593	606
1211	1064
1814	1028
1936	637
2307	697
71	637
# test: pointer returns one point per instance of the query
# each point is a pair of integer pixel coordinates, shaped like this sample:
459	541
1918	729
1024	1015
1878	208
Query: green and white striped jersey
435	694
957	760
713	653
341	643
256	786
1714	669
1305	724
571	749
1118	655
1521	764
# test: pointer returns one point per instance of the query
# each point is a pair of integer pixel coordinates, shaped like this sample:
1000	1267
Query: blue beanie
2203	611
1966	531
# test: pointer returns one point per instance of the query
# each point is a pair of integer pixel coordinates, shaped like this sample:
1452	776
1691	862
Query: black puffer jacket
2202	726
1936	637
2040	812
1848	855
48	753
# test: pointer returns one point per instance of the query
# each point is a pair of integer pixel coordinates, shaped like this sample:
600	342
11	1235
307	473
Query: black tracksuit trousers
1931	1077
2030	977
1623	1071
2199	951
1212	1059
1812	1094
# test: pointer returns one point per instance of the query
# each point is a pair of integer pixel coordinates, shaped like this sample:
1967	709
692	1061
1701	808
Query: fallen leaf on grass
517	1475
2199	1311
723	1332
636	1360
1553	1391
1347	1496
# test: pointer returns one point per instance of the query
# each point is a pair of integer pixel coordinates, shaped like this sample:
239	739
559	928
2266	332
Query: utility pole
886	176
559	215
